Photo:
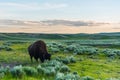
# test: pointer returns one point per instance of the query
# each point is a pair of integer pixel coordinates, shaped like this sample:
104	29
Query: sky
96	10
74	10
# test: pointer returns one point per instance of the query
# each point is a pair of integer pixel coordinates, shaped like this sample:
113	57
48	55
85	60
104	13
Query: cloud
116	28
50	23
34	6
53	5
56	26
72	23
13	4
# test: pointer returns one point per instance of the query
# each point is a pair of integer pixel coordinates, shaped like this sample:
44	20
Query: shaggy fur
38	50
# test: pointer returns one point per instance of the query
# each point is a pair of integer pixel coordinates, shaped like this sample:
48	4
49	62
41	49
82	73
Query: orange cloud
40	27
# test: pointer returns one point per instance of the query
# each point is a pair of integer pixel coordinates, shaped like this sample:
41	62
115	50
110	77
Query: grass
97	69
13	57
42	77
97	66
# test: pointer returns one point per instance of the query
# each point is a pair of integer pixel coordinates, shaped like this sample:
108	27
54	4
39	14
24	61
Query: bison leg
36	59
42	59
31	58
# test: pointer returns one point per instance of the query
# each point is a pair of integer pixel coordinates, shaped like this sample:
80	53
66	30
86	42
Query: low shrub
71	48
40	69
86	50
71	76
68	76
49	71
2	69
72	59
54	50
2	74
6	48
17	71
49	67
87	78
30	71
5	70
110	52
59	76
64	69
66	60
7	43
51	63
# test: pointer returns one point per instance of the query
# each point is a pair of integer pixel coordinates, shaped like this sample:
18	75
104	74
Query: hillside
81	56
32	36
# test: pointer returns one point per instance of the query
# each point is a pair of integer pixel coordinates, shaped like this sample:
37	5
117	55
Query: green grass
6	56
100	67
97	66
41	77
97	69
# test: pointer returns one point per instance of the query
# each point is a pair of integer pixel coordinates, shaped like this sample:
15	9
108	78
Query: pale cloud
42	27
27	11
13	4
58	29
117	28
34	6
73	23
52	6
53	23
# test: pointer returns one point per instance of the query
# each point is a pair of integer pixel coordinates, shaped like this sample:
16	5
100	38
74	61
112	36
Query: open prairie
74	57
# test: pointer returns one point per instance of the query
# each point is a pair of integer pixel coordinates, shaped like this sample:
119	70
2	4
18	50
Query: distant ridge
34	36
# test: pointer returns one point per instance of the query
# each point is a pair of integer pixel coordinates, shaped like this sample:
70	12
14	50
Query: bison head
47	56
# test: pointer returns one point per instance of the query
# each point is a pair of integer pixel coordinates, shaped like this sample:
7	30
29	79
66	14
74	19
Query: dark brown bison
38	50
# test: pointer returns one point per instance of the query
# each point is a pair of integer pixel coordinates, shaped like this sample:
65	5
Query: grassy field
95	57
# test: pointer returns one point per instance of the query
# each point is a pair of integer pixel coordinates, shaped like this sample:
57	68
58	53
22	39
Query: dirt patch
11	65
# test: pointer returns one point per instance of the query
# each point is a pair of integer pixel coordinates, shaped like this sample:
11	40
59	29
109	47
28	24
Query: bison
38	50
